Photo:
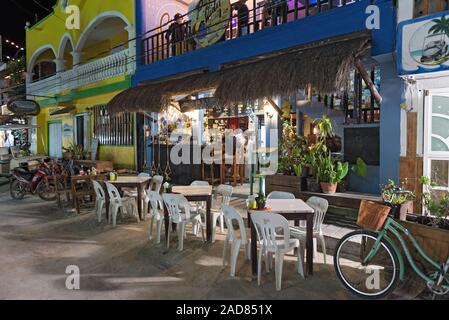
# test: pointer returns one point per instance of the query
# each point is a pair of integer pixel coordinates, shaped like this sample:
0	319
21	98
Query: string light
12	43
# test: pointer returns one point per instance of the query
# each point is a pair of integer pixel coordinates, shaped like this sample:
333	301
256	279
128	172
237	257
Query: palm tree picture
440	26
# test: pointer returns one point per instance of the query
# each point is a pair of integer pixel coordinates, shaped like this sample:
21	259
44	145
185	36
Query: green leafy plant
440	26
77	152
435	201
331	171
292	150
395	195
360	168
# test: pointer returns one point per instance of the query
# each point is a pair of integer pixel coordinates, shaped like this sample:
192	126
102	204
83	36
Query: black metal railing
158	44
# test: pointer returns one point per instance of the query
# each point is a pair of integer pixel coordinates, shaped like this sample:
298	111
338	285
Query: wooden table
293	210
194	193
100	166
132	182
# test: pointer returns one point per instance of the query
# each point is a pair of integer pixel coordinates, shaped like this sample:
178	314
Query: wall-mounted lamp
270	115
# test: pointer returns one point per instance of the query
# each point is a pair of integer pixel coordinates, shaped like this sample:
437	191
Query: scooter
33	182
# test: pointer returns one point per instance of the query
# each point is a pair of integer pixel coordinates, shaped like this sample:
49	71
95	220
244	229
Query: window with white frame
437	140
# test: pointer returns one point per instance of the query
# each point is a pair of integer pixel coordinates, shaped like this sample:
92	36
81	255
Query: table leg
139	202
253	247
309	245
209	219
166	222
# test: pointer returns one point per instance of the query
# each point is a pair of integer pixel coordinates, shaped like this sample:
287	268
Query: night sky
14	14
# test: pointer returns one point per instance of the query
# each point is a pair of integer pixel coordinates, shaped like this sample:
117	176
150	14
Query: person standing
279	8
242	16
176	35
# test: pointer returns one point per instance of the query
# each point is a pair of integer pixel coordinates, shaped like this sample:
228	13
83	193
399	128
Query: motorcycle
34	182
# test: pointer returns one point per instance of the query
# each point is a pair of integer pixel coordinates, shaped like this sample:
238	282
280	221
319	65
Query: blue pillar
390	123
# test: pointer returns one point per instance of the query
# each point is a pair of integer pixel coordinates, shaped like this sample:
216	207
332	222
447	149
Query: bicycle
370	264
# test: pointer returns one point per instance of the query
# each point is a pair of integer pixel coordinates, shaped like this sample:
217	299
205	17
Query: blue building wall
333	23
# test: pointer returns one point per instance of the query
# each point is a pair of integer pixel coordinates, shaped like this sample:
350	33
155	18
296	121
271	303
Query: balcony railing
116	64
159	45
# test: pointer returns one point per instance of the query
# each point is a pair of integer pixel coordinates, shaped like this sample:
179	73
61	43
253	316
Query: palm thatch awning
326	66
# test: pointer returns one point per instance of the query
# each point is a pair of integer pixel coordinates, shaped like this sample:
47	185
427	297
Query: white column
29	77
131	65
59	65
76	57
405	10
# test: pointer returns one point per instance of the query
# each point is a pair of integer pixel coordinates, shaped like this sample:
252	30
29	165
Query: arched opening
43	65
105	36
65	54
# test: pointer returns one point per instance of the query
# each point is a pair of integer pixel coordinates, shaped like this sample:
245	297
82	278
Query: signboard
423	45
23	107
209	20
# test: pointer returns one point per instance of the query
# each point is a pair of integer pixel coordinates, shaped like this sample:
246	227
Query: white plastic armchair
117	203
270	242
280	195
180	212
320	206
230	215
156	183
225	193
100	199
157	213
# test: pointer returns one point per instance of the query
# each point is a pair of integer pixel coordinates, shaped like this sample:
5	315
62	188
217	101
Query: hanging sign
423	45
209	20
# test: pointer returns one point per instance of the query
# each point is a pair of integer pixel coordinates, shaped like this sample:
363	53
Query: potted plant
436	204
399	199
291	172
75	152
330	173
360	169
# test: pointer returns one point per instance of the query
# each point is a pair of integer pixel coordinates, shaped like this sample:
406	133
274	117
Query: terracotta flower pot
328	188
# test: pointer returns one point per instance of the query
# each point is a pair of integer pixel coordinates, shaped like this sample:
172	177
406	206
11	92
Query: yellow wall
122	156
51	30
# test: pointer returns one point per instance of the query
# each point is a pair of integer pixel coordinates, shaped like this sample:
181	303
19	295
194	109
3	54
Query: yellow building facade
73	72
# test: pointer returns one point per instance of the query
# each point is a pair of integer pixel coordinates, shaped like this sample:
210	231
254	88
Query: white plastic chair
225	192
199	205
280	195
157	213
180	213
117	203
200	183
133	192
100	199
270	242
156	183
230	215
320	206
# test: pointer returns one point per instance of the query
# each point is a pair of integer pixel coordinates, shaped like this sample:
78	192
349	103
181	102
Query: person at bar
266	14
242	17
175	35
279	9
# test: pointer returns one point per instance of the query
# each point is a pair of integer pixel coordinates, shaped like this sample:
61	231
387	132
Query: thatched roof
326	66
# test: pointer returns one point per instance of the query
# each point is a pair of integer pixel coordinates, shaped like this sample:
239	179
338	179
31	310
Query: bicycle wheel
374	279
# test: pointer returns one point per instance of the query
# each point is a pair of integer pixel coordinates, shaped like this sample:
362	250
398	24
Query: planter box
284	183
434	242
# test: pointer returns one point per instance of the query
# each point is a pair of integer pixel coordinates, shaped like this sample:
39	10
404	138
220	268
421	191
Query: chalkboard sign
362	143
